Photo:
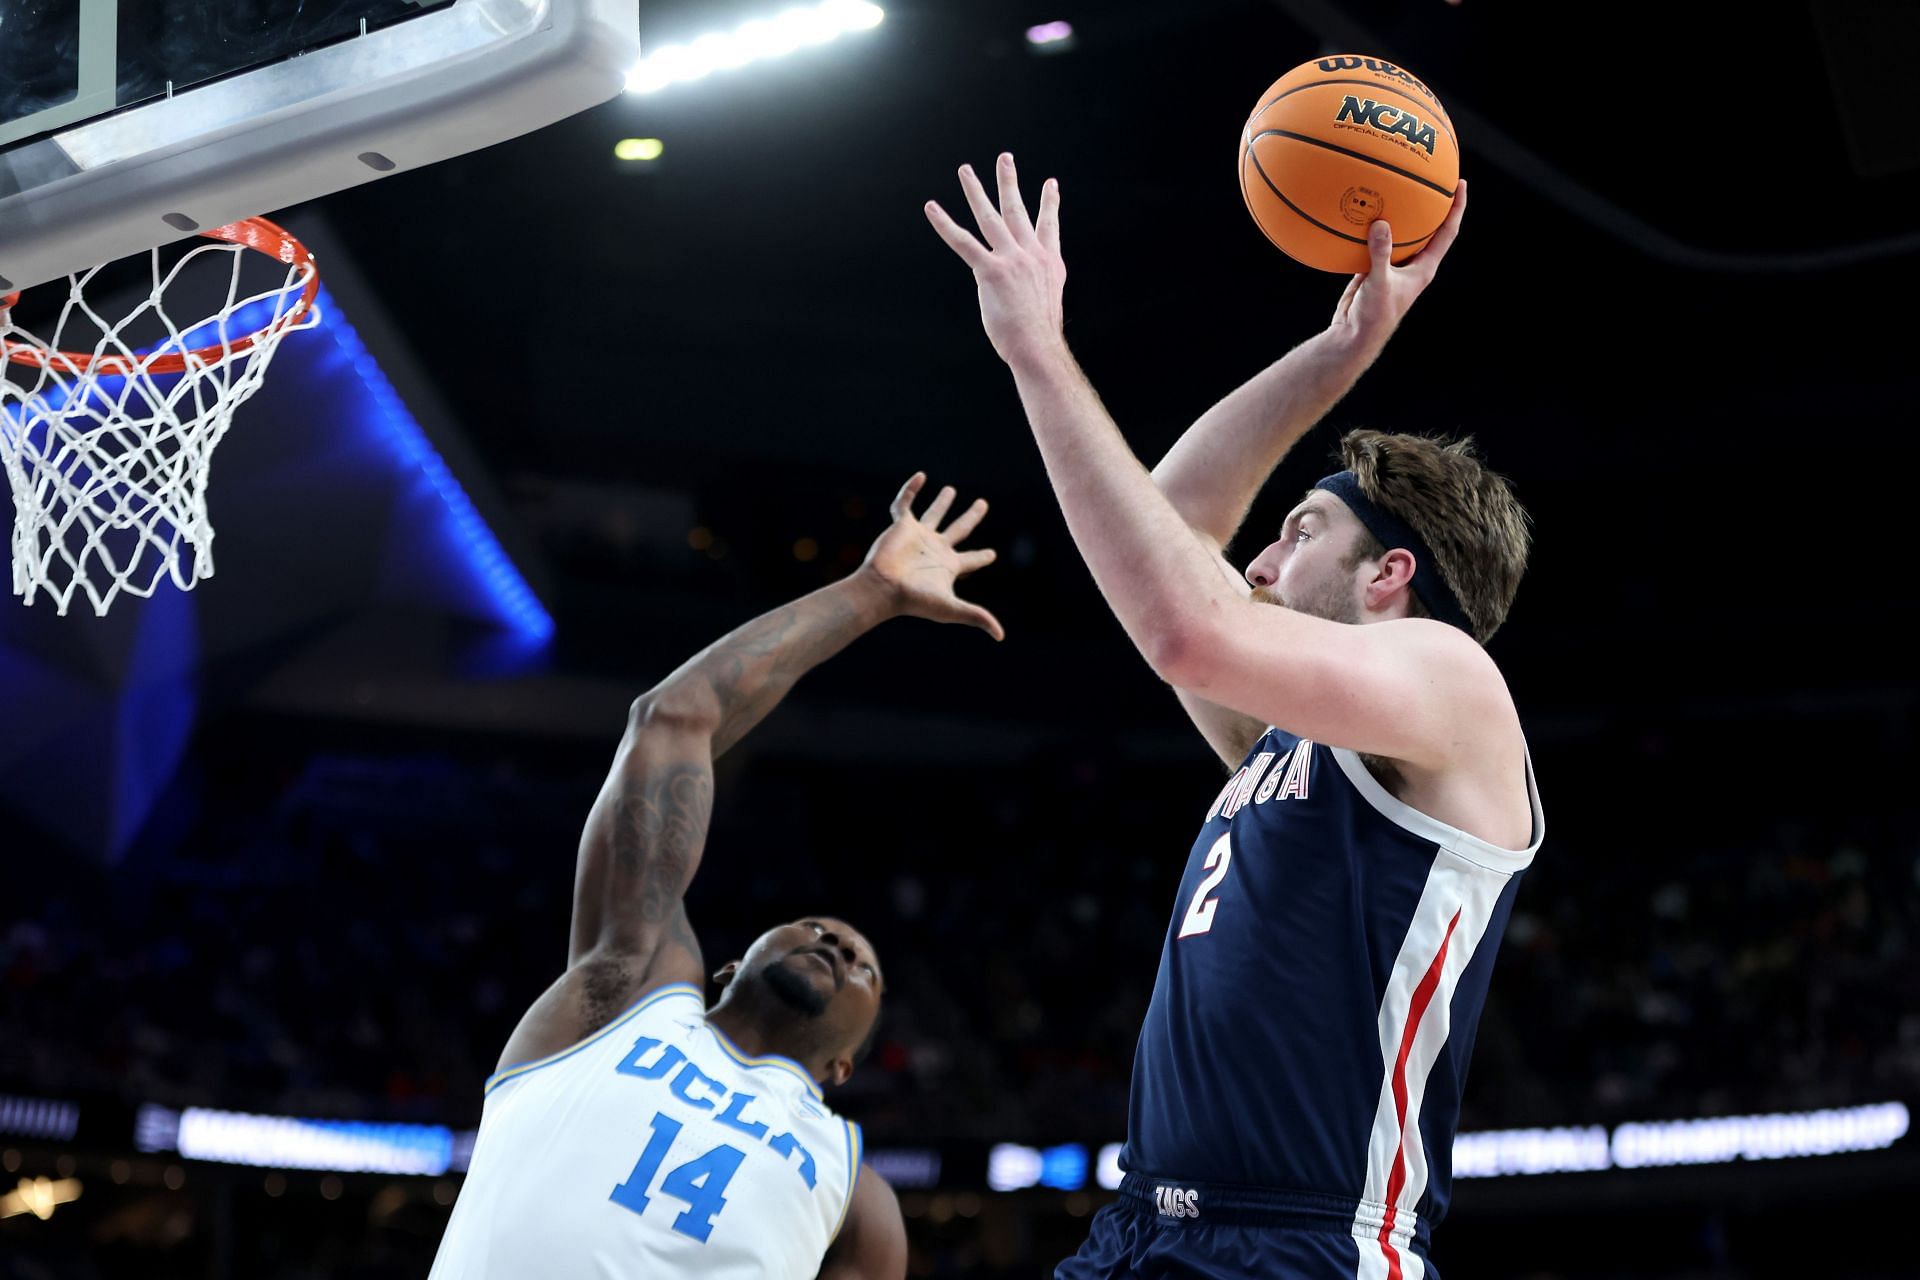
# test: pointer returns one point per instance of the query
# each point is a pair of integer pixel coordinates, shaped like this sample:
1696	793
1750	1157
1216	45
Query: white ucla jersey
652	1149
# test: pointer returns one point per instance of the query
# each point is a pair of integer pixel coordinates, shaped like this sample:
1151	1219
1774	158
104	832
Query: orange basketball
1339	142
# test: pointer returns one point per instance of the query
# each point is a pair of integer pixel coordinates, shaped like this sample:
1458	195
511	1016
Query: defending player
633	1132
1298	1077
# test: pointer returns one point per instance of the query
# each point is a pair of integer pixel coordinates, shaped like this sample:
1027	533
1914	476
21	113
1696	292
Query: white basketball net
108	462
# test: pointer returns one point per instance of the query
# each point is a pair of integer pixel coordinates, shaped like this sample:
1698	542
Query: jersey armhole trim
1457	842
856	1145
681	990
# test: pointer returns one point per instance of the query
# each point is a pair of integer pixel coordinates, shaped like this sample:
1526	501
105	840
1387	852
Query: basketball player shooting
1297	1081
632	1131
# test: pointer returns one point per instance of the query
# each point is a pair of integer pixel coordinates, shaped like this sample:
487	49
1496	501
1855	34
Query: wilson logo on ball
1374	65
1387	118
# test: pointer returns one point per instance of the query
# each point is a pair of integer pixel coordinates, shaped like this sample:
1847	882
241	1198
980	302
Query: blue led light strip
518	606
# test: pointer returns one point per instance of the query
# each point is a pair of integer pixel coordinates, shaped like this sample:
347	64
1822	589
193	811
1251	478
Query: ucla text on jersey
654	1148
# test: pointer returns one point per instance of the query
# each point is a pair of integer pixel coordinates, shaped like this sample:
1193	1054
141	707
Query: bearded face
814	985
1310	567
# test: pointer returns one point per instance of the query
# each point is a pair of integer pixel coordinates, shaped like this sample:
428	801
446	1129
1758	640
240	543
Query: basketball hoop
107	450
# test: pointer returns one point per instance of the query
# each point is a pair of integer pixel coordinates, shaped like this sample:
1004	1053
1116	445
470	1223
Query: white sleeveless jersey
653	1149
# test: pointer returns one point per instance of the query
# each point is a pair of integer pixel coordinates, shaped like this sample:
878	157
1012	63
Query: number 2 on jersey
704	1199
1199	917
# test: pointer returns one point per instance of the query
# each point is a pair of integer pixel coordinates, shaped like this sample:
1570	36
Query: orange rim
257	234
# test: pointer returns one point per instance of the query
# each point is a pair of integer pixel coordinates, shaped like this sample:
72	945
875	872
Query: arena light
1106	1169
758	40
1064	1168
380	410
1761	1137
38	1117
1050	35
289	1142
1664	1143
1500	1152
39	1197
640	149
909	1168
1012	1167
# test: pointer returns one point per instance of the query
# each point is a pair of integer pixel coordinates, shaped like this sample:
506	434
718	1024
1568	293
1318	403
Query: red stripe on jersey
1397	1181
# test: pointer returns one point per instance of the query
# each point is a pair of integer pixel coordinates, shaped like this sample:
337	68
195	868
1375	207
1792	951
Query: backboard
126	124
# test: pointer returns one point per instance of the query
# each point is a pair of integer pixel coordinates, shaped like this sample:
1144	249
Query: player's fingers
974	561
937	509
993	228
1449	229
973	615
1380	247
1013	210
956	533
1048	228
903	501
958	238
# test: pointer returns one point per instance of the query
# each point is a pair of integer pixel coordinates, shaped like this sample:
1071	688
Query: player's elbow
1182	652
675	708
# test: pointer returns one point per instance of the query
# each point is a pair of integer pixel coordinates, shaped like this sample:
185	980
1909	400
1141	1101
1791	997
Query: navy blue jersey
1308	1038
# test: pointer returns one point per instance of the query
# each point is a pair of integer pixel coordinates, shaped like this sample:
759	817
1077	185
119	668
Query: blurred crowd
360	941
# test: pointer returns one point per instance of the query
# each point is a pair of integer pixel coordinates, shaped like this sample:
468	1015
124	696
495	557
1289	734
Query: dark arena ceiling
1676	314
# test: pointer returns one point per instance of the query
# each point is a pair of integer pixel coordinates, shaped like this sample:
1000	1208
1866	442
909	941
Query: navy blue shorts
1130	1240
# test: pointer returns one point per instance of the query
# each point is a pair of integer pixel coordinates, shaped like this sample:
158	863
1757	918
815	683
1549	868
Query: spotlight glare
755	40
1050	33
720	53
662	67
762	38
808	26
855	15
641	149
694	61
646	78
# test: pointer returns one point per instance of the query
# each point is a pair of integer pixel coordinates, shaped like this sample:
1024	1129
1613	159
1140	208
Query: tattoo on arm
753	668
658	833
680	933
646	835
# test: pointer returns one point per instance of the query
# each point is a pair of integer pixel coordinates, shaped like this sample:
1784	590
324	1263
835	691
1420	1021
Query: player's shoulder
549	1036
1456	661
1434	638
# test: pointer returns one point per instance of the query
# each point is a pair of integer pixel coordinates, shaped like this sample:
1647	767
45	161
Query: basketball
1336	144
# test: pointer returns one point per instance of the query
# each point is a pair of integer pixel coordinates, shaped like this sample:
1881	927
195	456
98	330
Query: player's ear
724	975
1392	572
838	1070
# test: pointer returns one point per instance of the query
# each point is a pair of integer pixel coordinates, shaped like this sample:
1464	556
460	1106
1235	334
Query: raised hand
1376	302
1019	269
919	562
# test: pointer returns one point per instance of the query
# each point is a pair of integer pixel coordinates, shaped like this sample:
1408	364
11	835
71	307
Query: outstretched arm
643	840
1217	467
1395	690
647	831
